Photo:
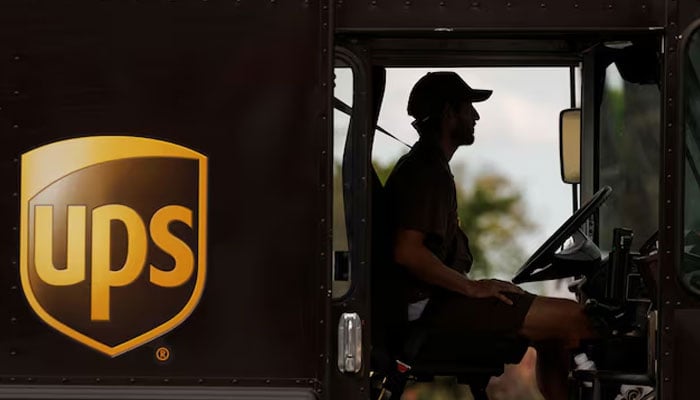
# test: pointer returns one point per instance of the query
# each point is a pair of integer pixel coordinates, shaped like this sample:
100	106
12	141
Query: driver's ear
448	112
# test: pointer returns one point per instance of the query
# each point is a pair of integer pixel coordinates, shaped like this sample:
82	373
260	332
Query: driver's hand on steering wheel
486	288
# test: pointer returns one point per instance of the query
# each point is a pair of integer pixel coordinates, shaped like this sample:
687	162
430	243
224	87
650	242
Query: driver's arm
410	252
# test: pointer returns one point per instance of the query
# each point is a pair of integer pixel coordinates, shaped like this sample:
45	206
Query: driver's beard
460	136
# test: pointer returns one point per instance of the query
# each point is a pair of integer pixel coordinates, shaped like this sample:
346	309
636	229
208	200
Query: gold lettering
43	246
103	277
171	244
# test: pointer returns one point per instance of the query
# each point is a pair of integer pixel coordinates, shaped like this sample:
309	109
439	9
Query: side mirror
570	145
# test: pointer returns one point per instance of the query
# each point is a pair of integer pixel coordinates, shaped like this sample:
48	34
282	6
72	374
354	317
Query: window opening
690	264
343	90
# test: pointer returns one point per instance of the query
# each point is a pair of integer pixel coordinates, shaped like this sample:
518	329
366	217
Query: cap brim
477	95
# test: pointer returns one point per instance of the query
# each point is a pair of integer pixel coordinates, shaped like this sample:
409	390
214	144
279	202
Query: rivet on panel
267	381
443	4
678	303
668	277
13	287
13	379
16	92
668	227
200	381
234	380
667	302
15	126
132	380
65	380
610	6
98	380
667	379
671	49
667	353
575	5
543	5
13	353
166	380
16	58
14	194
509	4
407	3
667	328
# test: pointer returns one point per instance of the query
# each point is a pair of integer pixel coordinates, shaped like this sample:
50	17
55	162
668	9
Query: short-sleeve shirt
421	196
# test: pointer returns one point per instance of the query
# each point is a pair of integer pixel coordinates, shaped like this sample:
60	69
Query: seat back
388	308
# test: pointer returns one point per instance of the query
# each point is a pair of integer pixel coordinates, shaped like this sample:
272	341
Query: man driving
431	247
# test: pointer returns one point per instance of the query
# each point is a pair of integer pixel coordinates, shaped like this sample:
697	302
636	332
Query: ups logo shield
113	237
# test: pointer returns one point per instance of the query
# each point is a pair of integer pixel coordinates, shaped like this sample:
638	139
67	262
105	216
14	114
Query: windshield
629	157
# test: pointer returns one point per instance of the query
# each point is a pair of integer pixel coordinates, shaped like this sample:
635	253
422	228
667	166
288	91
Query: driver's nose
475	114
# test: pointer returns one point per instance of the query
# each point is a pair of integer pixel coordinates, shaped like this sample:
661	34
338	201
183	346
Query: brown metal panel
686	355
512	15
679	330
242	82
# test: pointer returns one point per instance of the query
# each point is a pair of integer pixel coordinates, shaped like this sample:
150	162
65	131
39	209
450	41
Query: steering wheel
542	259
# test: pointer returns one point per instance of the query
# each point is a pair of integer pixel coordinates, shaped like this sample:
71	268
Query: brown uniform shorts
454	313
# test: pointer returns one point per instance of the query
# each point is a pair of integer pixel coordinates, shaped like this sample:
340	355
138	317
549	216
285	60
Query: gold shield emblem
113	237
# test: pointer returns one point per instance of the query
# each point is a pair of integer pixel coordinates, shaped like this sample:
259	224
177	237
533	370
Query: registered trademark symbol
163	354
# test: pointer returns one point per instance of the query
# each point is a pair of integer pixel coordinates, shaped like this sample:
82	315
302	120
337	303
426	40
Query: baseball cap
434	89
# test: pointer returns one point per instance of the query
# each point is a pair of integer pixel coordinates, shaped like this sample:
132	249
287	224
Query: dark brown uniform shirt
421	196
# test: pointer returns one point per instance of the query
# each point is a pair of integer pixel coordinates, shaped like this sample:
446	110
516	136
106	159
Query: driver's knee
561	320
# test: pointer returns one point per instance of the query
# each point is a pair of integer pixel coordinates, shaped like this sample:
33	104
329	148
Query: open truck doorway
516	148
